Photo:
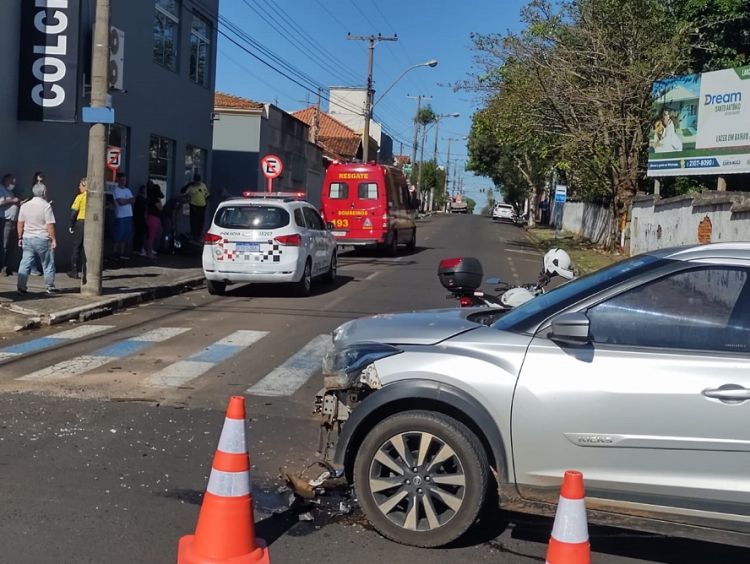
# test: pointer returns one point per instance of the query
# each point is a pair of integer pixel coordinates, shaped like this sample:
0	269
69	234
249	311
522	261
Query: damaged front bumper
349	375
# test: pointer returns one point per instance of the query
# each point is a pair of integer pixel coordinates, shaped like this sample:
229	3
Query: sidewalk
124	283
586	256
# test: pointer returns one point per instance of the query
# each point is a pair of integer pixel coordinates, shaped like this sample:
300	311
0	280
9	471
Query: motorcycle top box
460	274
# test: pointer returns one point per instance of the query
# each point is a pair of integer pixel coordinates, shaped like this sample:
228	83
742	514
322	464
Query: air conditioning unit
116	58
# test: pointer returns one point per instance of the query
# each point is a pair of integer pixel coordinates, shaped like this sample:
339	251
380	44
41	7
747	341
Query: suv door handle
727	393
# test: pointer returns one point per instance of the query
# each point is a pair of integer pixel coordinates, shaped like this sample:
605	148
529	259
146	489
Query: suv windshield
534	311
251	217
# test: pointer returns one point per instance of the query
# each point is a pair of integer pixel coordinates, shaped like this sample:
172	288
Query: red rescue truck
369	204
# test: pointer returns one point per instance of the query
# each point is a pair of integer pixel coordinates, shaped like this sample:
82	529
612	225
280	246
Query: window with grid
166	32
200	50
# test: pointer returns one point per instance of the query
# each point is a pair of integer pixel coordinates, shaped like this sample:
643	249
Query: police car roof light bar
274	195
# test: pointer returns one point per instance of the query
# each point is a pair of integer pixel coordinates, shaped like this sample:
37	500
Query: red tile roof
229	101
333	136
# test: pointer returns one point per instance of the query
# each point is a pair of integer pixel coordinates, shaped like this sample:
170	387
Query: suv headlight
343	368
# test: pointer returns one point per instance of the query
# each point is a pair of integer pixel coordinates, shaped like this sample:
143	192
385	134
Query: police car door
316	229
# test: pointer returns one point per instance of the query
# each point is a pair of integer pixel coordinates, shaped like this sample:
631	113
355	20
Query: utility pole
315	129
448	167
93	237
368	96
437	135
419	99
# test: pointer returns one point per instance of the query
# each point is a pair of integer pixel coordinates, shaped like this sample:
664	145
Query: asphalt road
107	429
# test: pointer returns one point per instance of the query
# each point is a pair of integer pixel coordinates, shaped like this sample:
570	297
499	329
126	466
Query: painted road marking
36	345
373	275
183	371
286	379
100	357
522	252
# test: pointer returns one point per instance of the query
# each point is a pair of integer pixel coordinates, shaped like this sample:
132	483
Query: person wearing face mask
9	203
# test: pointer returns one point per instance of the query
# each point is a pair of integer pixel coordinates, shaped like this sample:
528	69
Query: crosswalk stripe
100	357
41	343
286	379
196	365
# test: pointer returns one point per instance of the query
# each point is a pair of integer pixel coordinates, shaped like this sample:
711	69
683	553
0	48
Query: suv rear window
338	191
251	217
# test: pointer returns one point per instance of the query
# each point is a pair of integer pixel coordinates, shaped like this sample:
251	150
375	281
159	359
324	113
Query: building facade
347	104
162	62
245	131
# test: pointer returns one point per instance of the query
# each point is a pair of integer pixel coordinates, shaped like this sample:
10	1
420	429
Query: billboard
701	124
48	61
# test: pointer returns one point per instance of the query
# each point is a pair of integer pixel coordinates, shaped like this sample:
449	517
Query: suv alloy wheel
421	478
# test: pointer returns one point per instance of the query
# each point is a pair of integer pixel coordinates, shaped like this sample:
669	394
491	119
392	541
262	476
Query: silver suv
638	375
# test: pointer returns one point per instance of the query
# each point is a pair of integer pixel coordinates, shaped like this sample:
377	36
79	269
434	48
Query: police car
268	237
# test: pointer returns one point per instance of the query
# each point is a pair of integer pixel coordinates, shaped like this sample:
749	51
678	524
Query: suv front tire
421	478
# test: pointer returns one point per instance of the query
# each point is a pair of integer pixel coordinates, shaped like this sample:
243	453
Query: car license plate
339	233
248	247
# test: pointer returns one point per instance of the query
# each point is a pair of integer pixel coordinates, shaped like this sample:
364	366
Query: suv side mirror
571	328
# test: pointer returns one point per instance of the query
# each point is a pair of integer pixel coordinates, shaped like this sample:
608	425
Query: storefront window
200	50
166	33
161	162
195	162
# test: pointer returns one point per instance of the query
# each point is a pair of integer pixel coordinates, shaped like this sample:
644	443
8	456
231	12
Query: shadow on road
319	288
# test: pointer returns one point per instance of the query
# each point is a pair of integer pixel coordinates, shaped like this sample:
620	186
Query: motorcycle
462	276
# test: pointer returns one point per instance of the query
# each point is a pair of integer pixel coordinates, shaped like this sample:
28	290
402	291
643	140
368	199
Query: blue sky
310	35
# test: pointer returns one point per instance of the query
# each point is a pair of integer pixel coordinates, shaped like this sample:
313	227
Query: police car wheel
304	285
330	276
216	288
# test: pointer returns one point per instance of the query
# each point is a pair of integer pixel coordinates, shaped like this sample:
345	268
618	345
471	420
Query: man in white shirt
8	216
123	230
36	235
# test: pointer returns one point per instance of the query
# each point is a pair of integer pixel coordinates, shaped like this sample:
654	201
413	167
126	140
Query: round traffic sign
271	166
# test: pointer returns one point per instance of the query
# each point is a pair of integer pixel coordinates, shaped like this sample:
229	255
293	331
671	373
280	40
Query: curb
109	305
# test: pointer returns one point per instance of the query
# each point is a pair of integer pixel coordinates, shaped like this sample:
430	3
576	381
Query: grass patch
586	256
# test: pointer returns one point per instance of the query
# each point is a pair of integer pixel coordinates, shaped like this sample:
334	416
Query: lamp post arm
397	79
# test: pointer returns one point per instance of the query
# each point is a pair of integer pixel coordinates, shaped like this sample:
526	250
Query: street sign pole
561	194
271	167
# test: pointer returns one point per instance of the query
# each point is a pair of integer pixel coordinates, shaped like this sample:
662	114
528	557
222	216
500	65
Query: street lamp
437	131
432	63
369	103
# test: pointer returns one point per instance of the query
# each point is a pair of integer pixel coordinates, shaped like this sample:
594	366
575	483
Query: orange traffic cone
225	532
569	543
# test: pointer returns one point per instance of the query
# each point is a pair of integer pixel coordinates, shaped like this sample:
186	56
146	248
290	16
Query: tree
487	209
433	182
572	91
470	204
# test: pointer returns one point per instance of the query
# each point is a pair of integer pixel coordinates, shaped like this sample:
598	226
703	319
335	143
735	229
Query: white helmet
557	261
514	297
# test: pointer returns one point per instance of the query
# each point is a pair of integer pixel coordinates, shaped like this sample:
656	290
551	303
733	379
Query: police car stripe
298	368
100	357
183	371
41	343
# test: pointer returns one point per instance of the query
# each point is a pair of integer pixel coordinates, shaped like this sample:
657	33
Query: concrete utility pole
93	237
448	166
315	129
368	96
419	99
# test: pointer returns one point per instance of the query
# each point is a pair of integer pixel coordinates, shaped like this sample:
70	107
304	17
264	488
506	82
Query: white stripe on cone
232	440
570	521
229	484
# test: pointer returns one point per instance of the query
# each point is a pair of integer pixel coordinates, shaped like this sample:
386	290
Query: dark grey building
163	55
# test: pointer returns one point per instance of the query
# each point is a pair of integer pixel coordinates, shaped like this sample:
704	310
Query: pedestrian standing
123	216
36	236
198	193
77	218
38	178
153	219
9	203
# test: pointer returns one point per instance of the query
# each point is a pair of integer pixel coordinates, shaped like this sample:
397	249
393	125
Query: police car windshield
252	217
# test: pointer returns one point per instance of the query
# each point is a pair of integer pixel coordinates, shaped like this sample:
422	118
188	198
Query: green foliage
426	116
572	91
487	209
471	204
433	180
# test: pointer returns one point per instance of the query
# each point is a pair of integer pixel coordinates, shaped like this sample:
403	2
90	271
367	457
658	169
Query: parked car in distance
370	204
268	237
458	204
638	375
503	212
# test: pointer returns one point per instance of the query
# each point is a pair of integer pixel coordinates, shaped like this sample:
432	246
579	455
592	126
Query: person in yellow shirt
197	191
77	218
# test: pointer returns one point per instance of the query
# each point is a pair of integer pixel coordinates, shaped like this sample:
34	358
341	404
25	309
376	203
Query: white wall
589	221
